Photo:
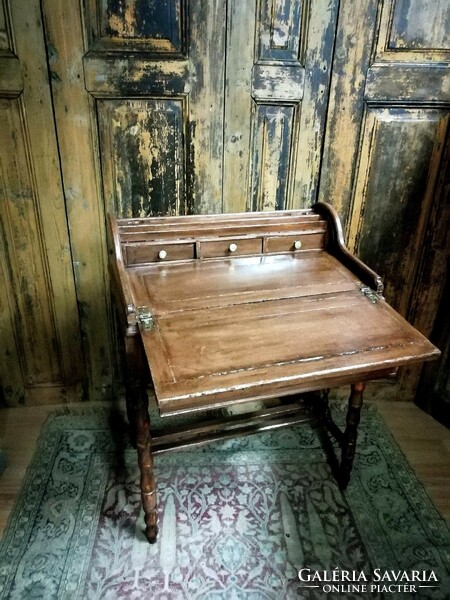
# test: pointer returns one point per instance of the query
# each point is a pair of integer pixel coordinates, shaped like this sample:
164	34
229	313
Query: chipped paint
317	58
354	37
262	157
105	76
279	31
121	19
149	21
420	25
388	222
411	83
279	83
143	156
271	151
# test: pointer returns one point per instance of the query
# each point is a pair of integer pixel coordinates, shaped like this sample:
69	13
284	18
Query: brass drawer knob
297	244
162	254
232	247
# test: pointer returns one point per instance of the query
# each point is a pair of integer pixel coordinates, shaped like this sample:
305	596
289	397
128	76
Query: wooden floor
425	443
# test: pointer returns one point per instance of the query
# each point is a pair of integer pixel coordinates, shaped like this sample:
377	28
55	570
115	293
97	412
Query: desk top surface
258	327
228	329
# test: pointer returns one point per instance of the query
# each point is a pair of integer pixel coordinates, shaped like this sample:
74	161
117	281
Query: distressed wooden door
209	106
384	149
156	71
278	67
39	329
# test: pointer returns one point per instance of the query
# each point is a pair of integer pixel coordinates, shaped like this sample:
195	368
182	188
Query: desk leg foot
351	433
145	460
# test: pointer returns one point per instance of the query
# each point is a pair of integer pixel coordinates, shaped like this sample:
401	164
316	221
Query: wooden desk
226	309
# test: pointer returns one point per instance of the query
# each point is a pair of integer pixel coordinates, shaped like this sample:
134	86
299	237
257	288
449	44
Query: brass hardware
162	254
297	244
232	247
369	292
145	318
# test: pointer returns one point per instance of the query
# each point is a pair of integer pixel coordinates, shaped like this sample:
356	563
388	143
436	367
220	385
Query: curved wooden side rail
336	246
119	283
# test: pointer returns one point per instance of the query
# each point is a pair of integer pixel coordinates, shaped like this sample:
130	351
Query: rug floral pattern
237	519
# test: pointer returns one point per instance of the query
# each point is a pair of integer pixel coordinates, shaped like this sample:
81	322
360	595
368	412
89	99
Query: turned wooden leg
350	434
325	409
145	460
133	382
139	420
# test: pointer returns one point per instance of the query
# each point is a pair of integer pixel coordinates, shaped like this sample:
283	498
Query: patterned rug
238	520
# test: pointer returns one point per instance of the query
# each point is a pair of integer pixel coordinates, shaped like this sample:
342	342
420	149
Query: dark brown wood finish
226	309
351	432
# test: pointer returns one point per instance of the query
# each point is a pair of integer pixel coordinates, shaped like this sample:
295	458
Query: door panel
150	25
186	95
111	73
20	226
414	30
393	192
355	36
387	128
419	24
41	354
140	140
272	143
277	80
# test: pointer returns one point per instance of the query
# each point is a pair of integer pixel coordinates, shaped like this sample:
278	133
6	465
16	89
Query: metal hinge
369	292
145	317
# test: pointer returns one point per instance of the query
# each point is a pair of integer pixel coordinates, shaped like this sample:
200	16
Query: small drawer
294	243
160	252
229	247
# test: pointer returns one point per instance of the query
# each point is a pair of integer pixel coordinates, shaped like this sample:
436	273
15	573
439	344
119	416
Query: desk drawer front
294	243
229	247
160	252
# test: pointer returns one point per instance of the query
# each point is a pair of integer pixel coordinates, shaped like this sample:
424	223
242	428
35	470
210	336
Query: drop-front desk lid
260	326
